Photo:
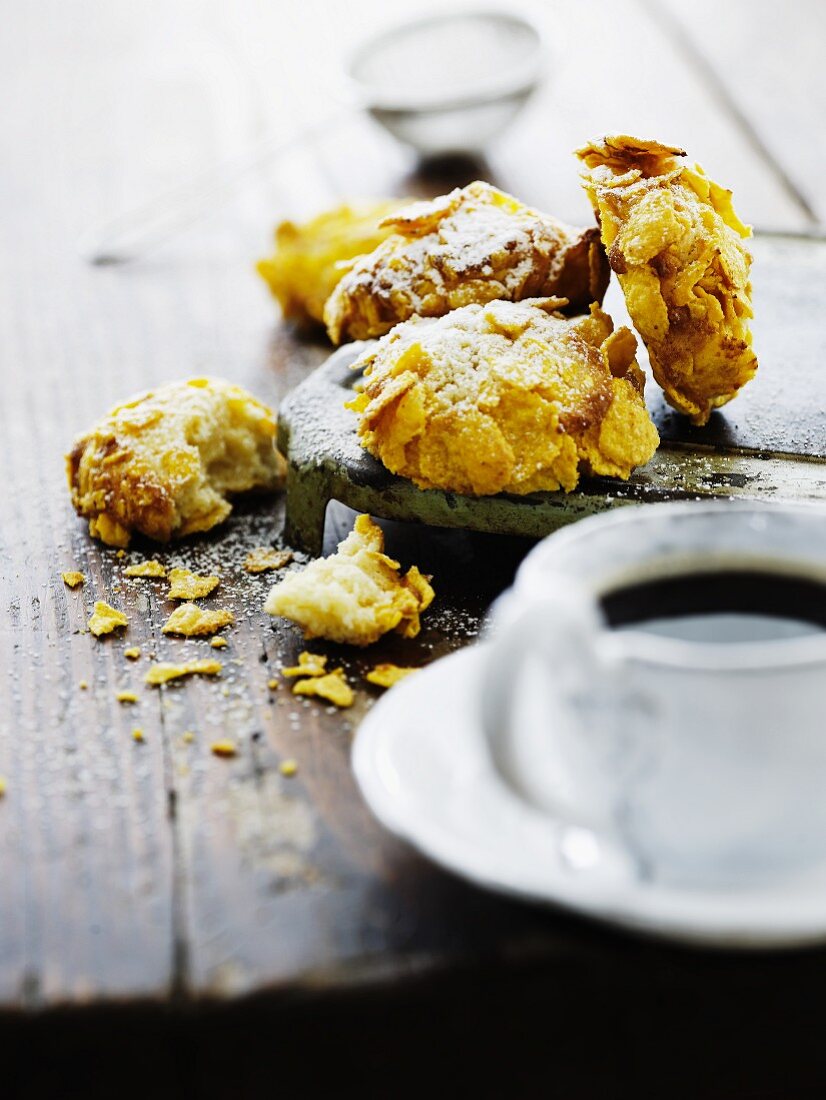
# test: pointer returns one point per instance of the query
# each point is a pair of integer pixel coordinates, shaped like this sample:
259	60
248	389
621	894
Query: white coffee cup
699	745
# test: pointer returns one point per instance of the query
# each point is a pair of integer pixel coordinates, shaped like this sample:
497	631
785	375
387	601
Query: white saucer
423	769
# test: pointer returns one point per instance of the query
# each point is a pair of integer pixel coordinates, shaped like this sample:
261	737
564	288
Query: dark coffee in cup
725	605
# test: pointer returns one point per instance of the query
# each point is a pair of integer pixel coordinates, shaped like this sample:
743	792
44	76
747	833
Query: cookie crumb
145	569
309	664
126	697
137	734
218	643
192	621
333	687
289	768
224	748
264	558
73	578
162	672
386	675
186	585
105	619
272	685
132	653
188	737
83	685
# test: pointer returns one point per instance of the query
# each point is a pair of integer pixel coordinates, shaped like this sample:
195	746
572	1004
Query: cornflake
145	569
333	687
137	734
288	768
218	643
105	619
309	664
263	558
132	653
387	675
186	585
73	579
126	697
163	671
192	621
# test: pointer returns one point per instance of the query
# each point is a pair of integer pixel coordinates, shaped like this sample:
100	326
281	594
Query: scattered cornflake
224	748
387	675
309	664
3	787
163	671
188	737
83	685
333	687
121	554
288	768
263	558
132	653
137	734
105	619
193	621
145	569
218	643
272	685
73	579
126	697
186	585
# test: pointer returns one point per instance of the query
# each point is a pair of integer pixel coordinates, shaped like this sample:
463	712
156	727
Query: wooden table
198	926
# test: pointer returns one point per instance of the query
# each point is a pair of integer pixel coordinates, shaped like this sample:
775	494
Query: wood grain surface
156	874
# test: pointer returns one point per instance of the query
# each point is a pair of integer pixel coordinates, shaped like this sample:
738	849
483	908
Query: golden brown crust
305	267
471	246
164	463
505	397
674	241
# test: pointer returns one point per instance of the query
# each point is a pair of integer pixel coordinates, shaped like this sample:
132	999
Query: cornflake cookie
186	585
474	245
354	596
675	242
506	397
192	621
164	463
306	265
105	619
